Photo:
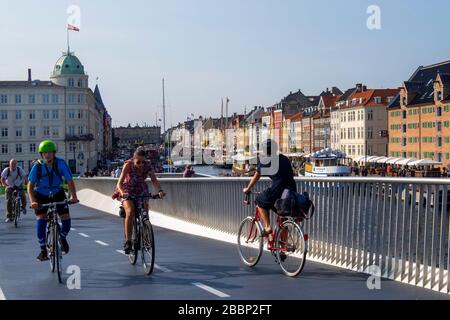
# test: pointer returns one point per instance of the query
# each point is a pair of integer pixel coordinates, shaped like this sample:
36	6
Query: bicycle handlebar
54	204
152	196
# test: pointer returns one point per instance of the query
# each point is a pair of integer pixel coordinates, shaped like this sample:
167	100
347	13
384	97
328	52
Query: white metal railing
399	225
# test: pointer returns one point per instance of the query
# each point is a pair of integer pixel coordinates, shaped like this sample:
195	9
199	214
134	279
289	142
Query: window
55	98
80	99
80	83
4	132
19	133
439	142
404	128
18	115
46	114
71	114
45	99
4	149
80	114
46	131
3	99
32	131
18	99
438	111
4	115
71	82
404	114
32	115
72	147
439	126
55	114
31	99
80	130
378	100
55	132
439	96
370	115
72	131
404	101
32	147
72	98
18	148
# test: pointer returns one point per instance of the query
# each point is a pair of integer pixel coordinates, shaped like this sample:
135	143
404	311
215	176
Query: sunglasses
139	162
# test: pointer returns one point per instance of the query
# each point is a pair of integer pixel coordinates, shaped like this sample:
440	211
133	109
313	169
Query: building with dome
63	109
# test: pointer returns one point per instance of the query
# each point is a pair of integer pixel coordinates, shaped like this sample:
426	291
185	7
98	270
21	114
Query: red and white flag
73	28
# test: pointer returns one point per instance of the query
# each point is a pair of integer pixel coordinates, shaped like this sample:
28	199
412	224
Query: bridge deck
188	268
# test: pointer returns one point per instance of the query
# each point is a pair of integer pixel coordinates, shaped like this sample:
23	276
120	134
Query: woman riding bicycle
132	183
279	169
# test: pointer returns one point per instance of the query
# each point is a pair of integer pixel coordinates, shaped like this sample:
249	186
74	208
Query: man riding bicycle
45	186
13	178
279	169
132	183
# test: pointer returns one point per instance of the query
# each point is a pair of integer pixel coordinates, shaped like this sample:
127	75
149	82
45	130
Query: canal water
212	170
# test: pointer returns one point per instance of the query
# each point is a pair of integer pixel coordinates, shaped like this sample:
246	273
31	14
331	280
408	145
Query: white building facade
64	110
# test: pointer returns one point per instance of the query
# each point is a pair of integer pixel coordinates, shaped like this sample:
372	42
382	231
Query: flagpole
68	42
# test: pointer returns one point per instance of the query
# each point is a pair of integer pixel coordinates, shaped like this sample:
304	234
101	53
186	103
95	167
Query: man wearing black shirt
279	169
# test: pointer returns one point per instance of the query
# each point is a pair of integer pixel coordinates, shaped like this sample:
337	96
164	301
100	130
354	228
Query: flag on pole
73	28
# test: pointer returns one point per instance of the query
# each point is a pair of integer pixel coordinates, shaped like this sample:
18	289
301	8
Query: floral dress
134	183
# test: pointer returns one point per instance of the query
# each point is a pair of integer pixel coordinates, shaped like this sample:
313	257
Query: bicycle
142	237
17	205
289	242
53	234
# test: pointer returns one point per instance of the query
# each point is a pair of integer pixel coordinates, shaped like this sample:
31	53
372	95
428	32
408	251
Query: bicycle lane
190	267
105	274
213	266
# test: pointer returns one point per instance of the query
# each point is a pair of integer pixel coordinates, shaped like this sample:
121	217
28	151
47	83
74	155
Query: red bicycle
289	244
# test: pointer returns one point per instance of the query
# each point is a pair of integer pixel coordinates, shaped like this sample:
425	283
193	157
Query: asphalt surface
189	268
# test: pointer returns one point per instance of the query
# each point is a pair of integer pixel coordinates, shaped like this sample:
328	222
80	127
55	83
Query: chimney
359	87
29	75
364	88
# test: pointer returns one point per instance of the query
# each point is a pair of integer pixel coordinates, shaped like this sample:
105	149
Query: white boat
327	163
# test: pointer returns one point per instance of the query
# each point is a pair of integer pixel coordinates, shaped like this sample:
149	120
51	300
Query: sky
253	51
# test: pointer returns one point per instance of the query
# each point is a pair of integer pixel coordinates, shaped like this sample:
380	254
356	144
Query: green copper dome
68	64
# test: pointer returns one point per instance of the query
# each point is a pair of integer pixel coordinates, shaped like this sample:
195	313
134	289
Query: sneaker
64	245
42	256
127	247
8	220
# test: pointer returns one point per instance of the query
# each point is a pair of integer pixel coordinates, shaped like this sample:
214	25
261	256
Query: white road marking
163	269
211	290
73	229
84	235
121	252
2	296
102	243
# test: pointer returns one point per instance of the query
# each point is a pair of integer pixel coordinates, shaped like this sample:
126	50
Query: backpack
55	169
18	173
296	205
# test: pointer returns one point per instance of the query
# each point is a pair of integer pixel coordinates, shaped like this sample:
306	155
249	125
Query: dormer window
71	83
378	100
439	96
404	101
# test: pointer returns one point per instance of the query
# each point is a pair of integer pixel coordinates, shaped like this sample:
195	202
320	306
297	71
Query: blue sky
254	51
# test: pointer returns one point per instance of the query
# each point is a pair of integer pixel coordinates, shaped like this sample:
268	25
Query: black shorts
58	197
266	199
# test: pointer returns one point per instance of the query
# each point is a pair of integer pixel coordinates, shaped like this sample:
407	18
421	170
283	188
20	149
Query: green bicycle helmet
47	146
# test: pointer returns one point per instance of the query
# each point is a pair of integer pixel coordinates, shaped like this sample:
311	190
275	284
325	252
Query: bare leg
265	216
129	209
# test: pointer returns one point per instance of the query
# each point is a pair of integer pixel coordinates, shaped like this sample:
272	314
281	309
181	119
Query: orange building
419	117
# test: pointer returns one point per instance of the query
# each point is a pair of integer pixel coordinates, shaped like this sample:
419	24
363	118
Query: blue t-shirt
43	186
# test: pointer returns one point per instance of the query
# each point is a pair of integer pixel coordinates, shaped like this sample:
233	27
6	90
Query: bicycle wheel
250	241
132	257
57	251
291	245
16	210
50	248
148	247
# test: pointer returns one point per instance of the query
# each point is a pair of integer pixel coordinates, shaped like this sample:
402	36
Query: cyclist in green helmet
45	186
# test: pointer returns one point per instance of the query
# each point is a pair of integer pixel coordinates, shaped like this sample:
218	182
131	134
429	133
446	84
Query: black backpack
18	173
39	166
296	205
